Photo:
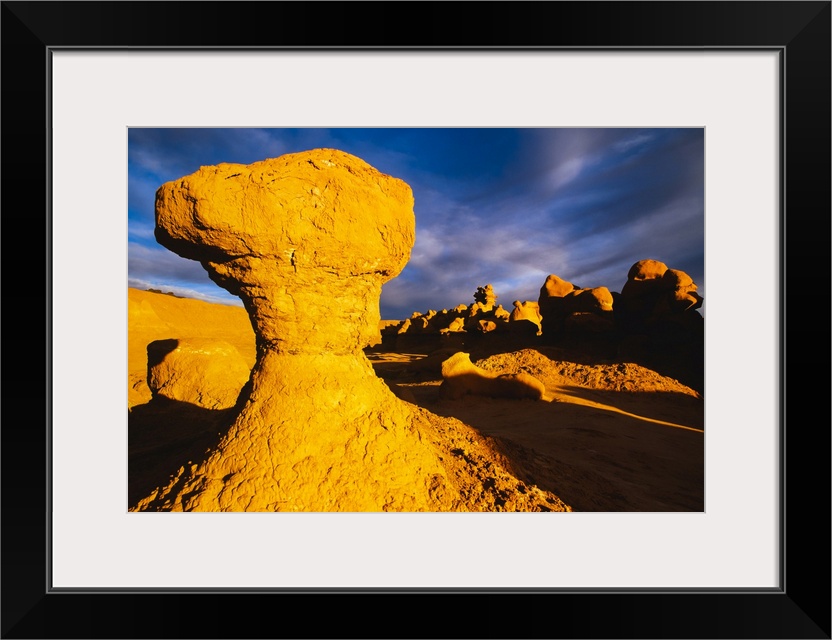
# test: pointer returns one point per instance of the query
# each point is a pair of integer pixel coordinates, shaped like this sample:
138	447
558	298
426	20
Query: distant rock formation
166	293
526	318
462	377
659	322
307	240
567	308
486	297
207	373
440	329
654	294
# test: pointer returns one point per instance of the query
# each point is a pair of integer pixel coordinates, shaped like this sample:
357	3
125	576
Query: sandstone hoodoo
306	241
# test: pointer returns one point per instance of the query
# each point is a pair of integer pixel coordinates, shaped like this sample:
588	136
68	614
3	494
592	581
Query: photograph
400	289
416	319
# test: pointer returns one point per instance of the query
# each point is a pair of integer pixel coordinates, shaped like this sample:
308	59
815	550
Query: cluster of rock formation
565	307
484	316
653	320
316	429
653	297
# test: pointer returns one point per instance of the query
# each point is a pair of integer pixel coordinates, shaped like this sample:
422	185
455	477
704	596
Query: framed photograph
598	378
753	77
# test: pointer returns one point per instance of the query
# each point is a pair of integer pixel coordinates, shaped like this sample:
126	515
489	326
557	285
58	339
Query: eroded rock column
306	240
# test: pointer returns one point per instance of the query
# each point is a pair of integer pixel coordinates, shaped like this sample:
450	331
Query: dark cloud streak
505	206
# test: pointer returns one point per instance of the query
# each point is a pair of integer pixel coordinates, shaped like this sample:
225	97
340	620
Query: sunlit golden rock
555	287
318	430
682	295
646	270
653	293
462	377
207	373
526	318
154	316
560	300
307	240
486	297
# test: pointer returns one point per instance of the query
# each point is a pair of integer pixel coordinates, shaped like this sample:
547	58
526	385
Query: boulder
526	318
652	294
456	325
555	287
201	371
486	297
646	270
462	377
559	300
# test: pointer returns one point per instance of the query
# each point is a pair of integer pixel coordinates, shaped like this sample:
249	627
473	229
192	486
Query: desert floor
608	436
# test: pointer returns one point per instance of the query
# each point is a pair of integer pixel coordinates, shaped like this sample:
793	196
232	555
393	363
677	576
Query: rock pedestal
306	240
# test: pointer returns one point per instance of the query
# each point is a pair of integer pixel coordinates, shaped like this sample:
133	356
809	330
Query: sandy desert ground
607	436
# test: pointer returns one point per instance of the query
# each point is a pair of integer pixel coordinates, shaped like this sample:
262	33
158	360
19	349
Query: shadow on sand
608	451
164	435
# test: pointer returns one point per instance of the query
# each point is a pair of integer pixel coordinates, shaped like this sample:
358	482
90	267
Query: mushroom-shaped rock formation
560	300
646	270
653	293
462	377
551	305
682	292
526	318
201	371
597	300
486	297
307	240
318	430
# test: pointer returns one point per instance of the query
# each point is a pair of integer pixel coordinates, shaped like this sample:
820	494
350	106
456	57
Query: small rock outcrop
486	297
462	377
526	318
200	371
567	308
654	294
449	327
659	322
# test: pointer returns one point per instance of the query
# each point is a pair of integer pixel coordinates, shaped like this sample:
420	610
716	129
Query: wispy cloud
499	206
160	265
184	292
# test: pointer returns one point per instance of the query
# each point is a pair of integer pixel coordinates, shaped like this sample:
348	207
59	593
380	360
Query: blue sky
500	206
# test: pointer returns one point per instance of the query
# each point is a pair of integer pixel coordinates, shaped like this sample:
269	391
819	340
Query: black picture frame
799	31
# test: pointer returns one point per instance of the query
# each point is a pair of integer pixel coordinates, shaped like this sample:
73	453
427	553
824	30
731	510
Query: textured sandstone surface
207	373
155	316
462	377
306	241
526	317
